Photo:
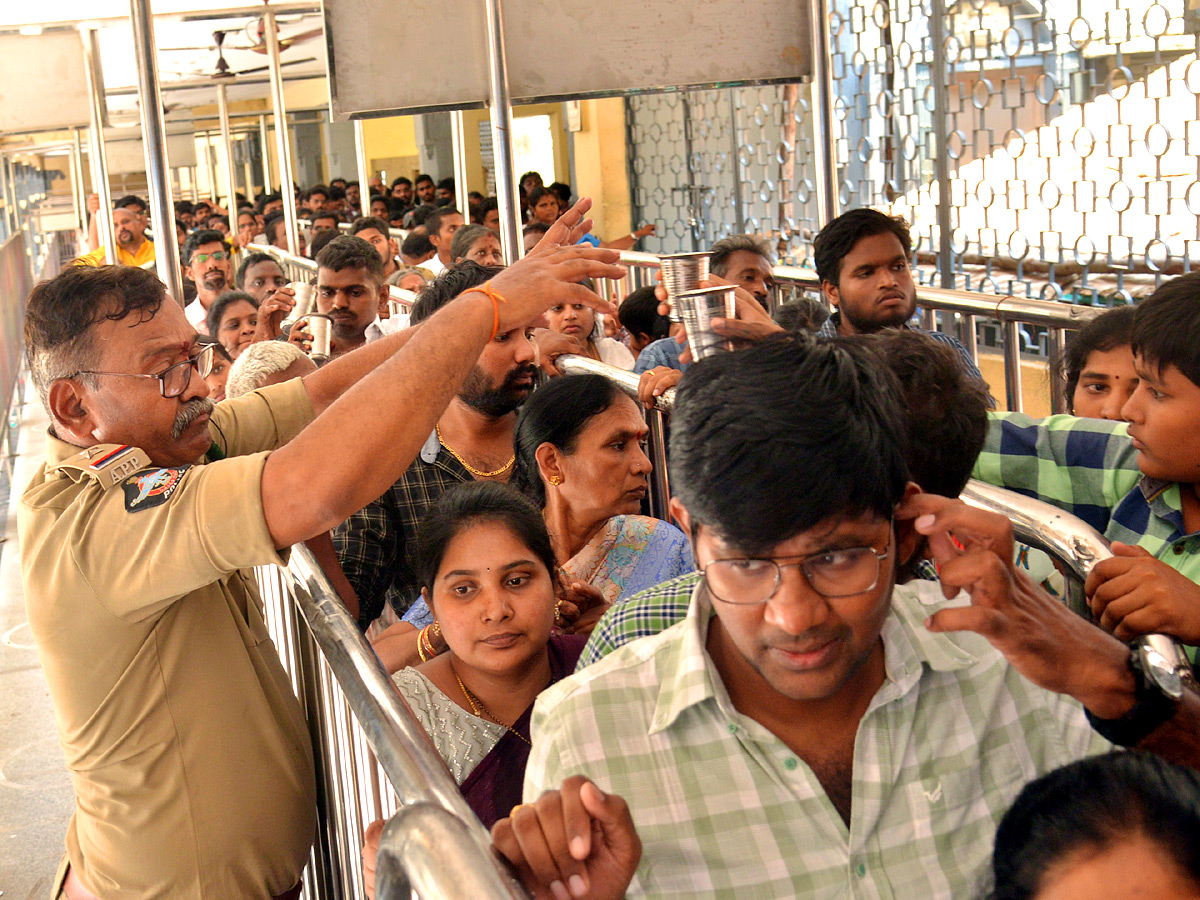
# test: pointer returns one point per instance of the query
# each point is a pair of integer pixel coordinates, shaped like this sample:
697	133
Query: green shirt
726	810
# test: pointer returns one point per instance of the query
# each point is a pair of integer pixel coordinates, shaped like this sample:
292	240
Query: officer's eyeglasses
174	380
831	573
205	257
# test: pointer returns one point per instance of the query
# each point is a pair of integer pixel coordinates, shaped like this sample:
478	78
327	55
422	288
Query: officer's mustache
192	410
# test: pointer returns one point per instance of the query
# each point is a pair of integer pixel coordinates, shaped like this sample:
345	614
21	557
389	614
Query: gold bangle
497	298
420	646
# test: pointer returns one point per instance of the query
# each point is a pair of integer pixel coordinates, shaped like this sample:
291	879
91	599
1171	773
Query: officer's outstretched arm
362	443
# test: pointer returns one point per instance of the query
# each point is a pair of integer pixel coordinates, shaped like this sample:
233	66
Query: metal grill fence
1063	138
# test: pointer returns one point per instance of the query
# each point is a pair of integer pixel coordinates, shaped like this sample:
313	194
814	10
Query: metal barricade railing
373	759
961	309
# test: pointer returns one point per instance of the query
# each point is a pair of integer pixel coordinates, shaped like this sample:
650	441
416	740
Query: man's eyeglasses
831	573
205	257
173	380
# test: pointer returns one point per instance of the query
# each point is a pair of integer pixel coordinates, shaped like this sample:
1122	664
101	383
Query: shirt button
861	870
732	728
790	763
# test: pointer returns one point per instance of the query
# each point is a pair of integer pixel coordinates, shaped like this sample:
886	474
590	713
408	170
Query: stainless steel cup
682	272
697	309
319	326
304	301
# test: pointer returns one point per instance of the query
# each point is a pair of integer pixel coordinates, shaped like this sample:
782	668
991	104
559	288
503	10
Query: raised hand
1133	594
1042	639
272	312
577	842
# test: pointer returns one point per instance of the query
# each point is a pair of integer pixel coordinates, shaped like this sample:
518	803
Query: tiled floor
35	790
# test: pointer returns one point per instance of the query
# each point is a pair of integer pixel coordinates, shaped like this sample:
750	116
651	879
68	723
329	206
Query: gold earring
555	480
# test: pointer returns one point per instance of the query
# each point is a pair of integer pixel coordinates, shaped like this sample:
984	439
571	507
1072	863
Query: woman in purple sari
486	563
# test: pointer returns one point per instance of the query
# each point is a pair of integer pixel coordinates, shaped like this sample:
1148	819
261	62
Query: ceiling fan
259	42
222	69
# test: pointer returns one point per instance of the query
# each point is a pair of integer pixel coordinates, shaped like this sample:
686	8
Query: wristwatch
1162	672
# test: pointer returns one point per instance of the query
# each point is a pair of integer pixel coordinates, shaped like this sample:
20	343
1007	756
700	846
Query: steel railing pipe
417	773
78	192
265	150
166	250
287	181
227	146
364	171
507	201
97	157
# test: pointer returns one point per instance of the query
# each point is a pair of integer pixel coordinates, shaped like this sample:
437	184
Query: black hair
212	318
199	238
420	215
261	203
538	193
537	175
718	256
251	259
416	244
422	178
556	413
270	224
838	238
385	200
333	182
345	251
535	227
318	189
465	505
62	311
944	409
446	184
217	218
465	237
402	180
433	222
454	280
336	193
324	214
1166	327
769	441
130	200
804	314
485	206
1091	805
320	240
1111	329
639	314
561	190
362	223
184	206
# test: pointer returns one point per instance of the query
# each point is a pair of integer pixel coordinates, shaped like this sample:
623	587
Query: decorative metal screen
1064	136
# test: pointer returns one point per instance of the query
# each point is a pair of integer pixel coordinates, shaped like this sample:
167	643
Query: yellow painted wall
391	146
477	167
600	171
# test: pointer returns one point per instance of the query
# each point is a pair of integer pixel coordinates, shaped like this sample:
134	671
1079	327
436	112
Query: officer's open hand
1042	639
1133	594
577	842
547	278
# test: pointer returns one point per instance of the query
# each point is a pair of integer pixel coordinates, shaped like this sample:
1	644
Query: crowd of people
826	676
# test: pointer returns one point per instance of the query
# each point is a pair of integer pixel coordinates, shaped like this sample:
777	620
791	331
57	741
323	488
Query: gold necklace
470	468
482	711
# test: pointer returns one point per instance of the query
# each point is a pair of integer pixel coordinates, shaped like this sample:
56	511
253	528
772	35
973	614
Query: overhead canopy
43	85
382	63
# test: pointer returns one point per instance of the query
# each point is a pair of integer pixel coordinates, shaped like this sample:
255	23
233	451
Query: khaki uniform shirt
191	762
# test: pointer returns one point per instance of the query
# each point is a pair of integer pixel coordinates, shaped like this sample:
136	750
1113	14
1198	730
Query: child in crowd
1136	480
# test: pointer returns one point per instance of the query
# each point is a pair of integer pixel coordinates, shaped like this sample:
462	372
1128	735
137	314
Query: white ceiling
181	24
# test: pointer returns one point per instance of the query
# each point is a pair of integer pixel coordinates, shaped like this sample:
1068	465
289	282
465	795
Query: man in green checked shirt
811	729
1135	481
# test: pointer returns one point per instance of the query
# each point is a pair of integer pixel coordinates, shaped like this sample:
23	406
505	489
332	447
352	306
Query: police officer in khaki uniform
190	757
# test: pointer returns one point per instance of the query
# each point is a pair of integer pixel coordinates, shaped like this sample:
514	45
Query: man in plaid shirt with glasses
811	729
